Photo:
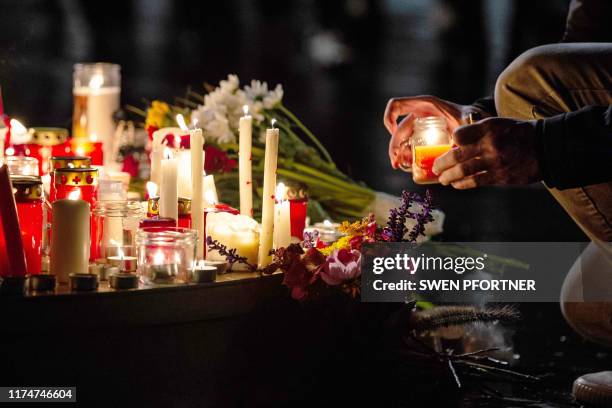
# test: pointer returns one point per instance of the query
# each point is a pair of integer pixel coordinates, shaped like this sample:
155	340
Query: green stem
136	110
308	133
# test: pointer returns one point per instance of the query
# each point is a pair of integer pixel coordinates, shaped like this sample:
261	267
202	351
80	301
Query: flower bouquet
303	160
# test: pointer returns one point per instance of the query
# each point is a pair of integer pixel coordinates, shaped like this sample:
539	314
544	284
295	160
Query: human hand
493	151
400	153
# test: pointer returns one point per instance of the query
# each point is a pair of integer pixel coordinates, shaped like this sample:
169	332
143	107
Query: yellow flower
342	243
157	114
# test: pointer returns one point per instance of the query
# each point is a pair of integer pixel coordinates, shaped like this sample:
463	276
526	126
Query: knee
522	79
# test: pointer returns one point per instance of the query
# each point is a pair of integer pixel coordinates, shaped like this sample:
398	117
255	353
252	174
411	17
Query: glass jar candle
30	209
165	256
46	143
64	162
430	140
96	92
22	166
81	180
114	228
297	193
159	222
184	212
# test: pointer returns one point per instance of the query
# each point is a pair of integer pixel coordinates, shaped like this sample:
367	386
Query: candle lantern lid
61	162
27	188
295	190
184	206
76	177
48	136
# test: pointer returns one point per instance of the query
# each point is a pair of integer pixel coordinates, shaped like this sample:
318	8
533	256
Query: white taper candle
267	210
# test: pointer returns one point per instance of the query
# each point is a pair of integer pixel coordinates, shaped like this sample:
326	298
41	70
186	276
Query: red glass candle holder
157	222
65	162
46	143
184	212
87	148
81	180
298	209
29	200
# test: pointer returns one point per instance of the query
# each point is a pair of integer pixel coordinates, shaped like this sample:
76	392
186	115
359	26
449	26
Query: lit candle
162	270
168	192
430	140
70	237
210	191
235	231
158	151
12	262
196	143
269	184
282	219
123	262
245	128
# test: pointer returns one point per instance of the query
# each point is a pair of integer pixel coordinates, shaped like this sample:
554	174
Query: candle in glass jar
282	219
430	140
269	185
29	200
12	261
235	231
245	128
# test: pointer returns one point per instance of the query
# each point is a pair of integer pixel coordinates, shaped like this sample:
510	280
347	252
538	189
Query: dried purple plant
231	255
412	206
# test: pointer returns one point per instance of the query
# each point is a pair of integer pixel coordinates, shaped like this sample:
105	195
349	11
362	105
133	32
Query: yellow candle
69	238
269	185
245	174
234	231
168	191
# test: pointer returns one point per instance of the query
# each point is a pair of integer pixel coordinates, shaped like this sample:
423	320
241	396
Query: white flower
258	91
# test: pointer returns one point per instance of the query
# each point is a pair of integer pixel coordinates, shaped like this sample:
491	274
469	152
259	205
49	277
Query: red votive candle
12	262
298	208
67	181
29	200
158	222
87	148
65	162
184	212
46	143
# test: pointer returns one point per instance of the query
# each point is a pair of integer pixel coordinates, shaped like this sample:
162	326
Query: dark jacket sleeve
575	148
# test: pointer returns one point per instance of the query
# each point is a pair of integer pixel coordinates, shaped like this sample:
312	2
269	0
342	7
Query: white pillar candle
102	103
168	192
157	151
183	158
70	238
269	185
245	175
209	191
196	143
235	232
282	219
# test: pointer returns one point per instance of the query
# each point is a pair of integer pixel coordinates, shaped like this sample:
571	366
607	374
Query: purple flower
414	207
341	266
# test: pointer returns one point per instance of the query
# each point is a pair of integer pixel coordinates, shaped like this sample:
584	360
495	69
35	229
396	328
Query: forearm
575	149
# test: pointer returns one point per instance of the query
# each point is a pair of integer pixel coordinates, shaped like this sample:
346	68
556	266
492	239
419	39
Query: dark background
339	62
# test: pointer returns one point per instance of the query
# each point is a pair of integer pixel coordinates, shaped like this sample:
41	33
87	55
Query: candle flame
74	195
327	223
158	258
96	81
180	120
245	109
80	151
17	127
281	191
93	137
209	196
152	189
120	252
167	153
273	122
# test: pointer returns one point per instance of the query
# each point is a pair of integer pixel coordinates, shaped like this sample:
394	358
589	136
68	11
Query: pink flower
341	266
